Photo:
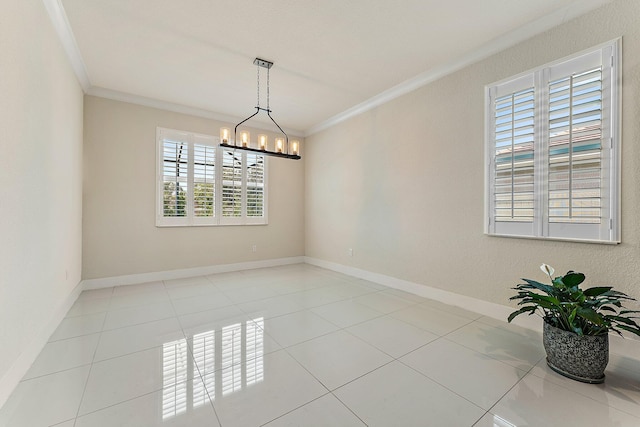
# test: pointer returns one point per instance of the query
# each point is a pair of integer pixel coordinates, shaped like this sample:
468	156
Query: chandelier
281	146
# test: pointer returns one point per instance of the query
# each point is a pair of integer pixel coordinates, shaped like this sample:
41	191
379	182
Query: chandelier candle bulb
263	142
294	147
244	137
224	135
279	145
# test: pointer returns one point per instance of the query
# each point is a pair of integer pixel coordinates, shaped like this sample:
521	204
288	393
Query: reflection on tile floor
300	346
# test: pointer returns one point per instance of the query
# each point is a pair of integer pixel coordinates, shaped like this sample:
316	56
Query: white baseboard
630	345
486	308
17	371
132	279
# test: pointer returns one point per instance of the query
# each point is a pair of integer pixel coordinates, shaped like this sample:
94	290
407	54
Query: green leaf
540	286
618	295
594	292
620	319
632	330
573	279
530	309
623	312
558	283
591	316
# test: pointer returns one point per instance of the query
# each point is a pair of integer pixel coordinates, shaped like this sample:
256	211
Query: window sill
210	225
557	239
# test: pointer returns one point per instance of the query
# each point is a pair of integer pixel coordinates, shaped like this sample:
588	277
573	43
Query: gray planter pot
582	358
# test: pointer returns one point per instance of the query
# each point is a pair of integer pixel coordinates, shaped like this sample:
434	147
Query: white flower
547	269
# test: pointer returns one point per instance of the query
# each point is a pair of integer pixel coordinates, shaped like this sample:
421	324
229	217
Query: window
552	144
200	183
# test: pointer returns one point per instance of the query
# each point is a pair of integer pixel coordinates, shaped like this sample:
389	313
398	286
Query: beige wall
403	184
41	176
119	232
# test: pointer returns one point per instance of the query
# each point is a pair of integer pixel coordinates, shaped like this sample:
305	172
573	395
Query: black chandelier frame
285	150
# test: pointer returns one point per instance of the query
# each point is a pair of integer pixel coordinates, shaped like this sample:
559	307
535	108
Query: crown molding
507	40
62	27
179	108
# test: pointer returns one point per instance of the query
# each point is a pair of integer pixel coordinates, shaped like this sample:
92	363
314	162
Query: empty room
303	213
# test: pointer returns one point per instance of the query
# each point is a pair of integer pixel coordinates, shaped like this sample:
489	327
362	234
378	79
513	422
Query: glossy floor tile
298	345
431	319
271	307
118	318
536	402
392	336
133	375
297	327
257	396
338	358
161	408
322	412
472	375
397	395
77	326
130	339
512	345
64	354
45	400
346	313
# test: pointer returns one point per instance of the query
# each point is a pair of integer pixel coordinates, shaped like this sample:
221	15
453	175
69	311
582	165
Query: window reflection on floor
228	360
174	378
231	358
204	354
501	422
255	352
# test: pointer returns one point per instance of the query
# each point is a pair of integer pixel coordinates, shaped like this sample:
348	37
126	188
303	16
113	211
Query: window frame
190	220
541	228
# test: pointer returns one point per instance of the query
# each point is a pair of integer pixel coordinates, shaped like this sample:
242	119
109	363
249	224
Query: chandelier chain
268	108
258	85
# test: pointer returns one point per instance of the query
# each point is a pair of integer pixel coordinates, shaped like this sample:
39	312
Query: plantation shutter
255	185
199	183
175	167
232	184
512	157
203	180
552	144
577	169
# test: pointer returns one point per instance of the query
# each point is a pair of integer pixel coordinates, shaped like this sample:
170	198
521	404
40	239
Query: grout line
294	409
512	387
441	385
479	419
350	410
86	383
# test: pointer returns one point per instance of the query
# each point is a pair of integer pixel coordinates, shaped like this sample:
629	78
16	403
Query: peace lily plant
564	305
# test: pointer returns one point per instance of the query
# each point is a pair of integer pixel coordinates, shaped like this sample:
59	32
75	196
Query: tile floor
300	346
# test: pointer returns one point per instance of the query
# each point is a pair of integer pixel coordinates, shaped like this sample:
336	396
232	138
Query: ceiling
333	58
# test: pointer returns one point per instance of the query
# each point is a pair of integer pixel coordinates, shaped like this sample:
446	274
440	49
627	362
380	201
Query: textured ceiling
329	55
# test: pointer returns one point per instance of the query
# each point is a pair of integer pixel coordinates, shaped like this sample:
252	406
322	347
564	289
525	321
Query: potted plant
576	322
